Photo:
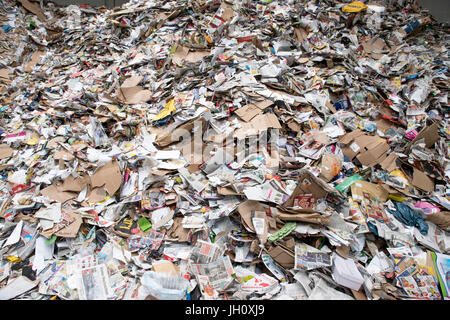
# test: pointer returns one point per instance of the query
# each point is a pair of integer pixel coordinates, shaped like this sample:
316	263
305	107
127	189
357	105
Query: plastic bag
165	286
407	216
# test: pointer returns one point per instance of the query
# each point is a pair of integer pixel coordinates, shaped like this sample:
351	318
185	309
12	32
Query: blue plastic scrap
406	215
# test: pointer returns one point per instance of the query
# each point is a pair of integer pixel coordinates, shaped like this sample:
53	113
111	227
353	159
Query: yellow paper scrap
168	109
32	141
356	6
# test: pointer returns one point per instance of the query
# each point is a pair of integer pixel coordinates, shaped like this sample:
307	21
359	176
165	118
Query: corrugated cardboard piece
389	163
35	59
245	211
302	216
251	209
5	151
75	184
228	12
429	133
133	95
259	123
330	166
177	232
184	54
5	75
71	230
441	219
369	150
301	34
176	132
54	193
109	176
416	177
374	47
34	8
307	183
97	195
422	181
164	266
248	112
283	253
359	187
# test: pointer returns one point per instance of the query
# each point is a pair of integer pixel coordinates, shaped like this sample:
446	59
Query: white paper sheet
15	235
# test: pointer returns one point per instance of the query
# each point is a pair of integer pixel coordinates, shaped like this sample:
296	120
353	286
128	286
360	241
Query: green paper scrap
444	266
173	49
51	239
348	182
280	234
144	224
321	243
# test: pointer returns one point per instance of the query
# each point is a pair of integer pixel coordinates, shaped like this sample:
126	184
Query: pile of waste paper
224	149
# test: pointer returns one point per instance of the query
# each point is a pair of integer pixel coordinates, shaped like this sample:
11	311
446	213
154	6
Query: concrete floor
439	9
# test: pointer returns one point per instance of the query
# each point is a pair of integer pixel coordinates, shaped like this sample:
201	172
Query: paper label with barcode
354	147
258	224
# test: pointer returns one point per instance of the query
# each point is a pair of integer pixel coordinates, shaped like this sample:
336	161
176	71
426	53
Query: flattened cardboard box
429	133
422	181
307	183
441	219
373	154
245	211
5	74
416	177
96	195
300	34
228	12
177	232
54	193
283	256
303	216
5	151
35	59
175	132
259	123
248	112
109	176
164	266
75	184
184	54
71	230
133	95
369	150
34	8
360	187
350	149
389	163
